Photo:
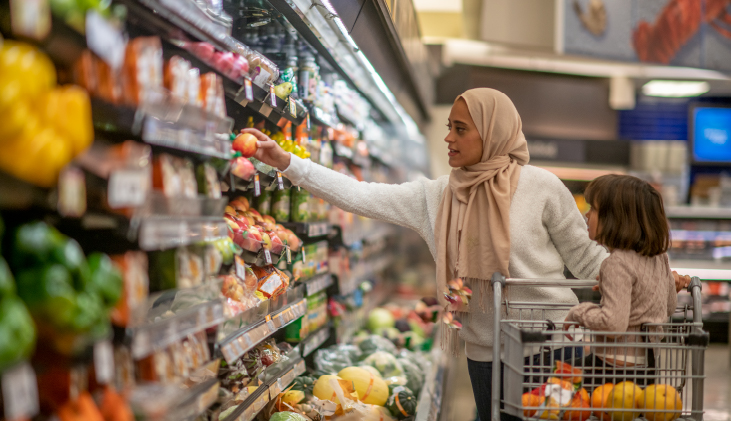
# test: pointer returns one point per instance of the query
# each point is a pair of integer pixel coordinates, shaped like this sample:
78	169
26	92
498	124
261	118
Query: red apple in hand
246	144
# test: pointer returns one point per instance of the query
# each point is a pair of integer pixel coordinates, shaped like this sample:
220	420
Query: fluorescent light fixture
675	88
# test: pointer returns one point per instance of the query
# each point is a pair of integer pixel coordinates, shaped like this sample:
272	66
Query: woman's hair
631	215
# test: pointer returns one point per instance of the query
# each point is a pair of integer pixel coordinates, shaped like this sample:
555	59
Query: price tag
292	107
311	230
280	182
20	392
270	323
103	362
127	188
307	119
272	97
248	91
257	186
240	267
71	192
267	257
304	256
289	255
105	40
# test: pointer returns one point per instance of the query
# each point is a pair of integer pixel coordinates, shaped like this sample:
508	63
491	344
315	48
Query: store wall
551	105
523	23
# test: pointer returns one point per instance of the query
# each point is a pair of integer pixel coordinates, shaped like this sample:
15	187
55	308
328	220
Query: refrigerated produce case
155	272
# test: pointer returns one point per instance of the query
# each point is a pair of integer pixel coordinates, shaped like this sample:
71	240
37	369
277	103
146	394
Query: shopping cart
535	349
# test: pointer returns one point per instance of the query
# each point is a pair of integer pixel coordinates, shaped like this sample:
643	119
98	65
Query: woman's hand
268	151
681	281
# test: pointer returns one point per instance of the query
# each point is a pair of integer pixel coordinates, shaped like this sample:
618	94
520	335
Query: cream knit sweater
546	232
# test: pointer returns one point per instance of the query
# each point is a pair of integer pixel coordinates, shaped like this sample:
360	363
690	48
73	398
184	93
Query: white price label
267	257
248	89
289	255
104	362
127	188
71	192
304	256
240	267
280	182
257	186
311	230
270	323
105	39
20	392
272	96
307	119
292	107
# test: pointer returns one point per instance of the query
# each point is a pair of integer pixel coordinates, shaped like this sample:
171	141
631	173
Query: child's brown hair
631	215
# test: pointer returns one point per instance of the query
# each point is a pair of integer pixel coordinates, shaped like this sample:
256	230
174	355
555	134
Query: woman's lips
452	152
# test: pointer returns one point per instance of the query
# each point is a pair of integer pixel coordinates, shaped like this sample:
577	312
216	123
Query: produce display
563	397
191	279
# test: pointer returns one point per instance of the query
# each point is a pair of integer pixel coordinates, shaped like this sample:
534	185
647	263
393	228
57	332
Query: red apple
224	62
243	168
277	245
246	144
267	241
203	50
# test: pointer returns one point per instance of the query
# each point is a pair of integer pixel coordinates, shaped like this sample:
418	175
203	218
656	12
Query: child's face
592	219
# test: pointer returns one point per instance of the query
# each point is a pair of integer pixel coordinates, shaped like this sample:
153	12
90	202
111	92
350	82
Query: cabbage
414	375
380	318
385	363
375	343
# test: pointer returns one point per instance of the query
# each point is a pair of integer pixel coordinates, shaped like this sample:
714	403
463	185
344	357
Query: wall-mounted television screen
710	134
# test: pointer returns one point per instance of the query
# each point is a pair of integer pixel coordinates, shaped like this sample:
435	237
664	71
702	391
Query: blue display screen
712	134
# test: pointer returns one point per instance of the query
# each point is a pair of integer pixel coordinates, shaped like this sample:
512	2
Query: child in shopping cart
637	286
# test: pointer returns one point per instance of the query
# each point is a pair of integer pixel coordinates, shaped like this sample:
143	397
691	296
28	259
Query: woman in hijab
492	213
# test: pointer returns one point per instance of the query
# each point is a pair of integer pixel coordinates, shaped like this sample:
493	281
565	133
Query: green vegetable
304	383
33	244
287	416
17	331
414	375
385	363
105	280
89	312
72	258
163	270
380	318
48	291
376	343
402	403
7	283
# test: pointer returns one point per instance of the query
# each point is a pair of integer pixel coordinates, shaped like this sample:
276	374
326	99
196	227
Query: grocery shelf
315	340
164	232
166	123
167	18
697	212
307	230
707	270
268	390
147	338
237	344
317	283
170	403
361	272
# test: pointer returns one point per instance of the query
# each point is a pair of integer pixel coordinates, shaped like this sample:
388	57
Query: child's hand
566	326
681	281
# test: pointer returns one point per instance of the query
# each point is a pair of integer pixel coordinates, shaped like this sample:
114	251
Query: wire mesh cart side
550	373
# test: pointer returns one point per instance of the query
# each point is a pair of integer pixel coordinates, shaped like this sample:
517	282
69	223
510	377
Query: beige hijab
473	224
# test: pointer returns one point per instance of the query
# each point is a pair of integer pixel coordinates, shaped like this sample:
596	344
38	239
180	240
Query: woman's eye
460	129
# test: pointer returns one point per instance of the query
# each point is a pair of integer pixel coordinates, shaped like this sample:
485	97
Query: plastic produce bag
385	363
331	361
375	343
352	351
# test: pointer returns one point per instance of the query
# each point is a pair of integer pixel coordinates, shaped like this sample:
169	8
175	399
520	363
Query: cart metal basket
663	361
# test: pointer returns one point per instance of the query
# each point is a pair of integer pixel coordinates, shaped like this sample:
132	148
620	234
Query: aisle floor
459	404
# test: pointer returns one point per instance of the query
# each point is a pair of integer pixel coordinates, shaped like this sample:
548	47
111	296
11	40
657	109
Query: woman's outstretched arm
402	204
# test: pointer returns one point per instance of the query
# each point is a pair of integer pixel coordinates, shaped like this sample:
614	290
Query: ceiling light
675	88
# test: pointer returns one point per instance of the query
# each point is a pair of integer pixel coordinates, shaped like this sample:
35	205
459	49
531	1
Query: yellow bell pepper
26	64
14	108
68	110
